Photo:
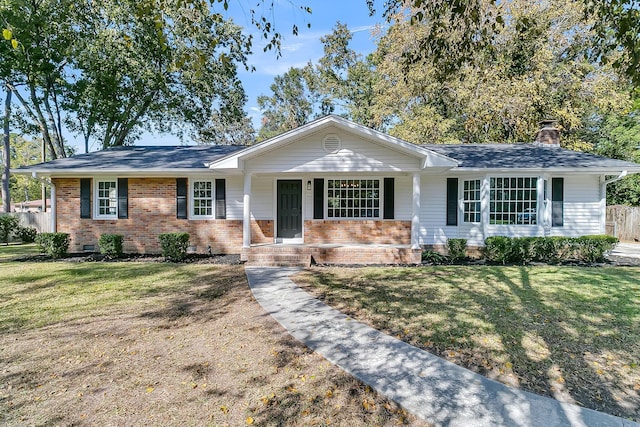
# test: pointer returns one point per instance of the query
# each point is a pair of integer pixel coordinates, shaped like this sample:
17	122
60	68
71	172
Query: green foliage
174	245
594	248
533	66
433	257
111	244
551	250
55	245
456	249
26	234
613	28
8	226
498	249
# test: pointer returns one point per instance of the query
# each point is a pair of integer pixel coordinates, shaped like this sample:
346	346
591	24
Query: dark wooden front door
289	209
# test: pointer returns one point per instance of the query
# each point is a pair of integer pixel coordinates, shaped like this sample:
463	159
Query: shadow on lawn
568	342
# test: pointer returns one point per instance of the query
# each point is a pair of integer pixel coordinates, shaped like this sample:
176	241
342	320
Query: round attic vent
331	143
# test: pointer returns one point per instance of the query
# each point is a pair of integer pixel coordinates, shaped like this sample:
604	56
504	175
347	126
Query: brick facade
389	232
152	210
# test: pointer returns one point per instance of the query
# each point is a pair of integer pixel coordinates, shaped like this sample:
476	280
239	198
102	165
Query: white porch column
246	218
415	217
54	208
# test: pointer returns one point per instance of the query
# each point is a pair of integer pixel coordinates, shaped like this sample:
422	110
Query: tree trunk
6	196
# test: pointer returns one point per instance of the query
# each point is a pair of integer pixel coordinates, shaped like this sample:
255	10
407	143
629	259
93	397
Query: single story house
332	190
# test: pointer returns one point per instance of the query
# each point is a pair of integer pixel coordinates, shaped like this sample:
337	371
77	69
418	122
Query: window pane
516	204
354	195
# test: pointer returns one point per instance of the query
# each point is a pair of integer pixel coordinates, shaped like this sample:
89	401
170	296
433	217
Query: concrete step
278	260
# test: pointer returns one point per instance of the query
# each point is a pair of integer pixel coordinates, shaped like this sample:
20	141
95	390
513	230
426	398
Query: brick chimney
548	135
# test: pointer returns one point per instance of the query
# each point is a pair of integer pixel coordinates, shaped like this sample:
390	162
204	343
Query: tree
344	77
615	24
293	103
36	37
24	152
6	154
224	130
619	138
534	68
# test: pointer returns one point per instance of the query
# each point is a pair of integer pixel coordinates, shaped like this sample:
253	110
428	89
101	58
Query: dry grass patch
570	333
161	344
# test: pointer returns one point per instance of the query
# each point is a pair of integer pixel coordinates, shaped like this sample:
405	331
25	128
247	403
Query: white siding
433	211
403	201
262	197
356	155
581	206
234	197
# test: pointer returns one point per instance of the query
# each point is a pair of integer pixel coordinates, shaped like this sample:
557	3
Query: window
202	198
513	201
353	198
471	200
107	199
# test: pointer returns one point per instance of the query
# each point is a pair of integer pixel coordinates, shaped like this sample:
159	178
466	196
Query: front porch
304	255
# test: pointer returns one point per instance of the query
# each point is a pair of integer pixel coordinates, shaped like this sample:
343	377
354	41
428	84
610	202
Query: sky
296	50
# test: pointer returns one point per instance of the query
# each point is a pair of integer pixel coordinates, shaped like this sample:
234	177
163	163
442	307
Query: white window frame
97	198
477	202
192	199
380	198
531	200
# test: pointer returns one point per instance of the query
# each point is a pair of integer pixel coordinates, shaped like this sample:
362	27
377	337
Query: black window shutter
389	198
181	198
221	199
452	201
557	202
85	197
318	198
123	198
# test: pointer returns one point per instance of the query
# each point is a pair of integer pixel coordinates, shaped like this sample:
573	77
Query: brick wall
152	210
357	231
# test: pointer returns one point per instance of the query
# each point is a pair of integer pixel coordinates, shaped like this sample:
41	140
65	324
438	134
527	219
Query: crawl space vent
331	143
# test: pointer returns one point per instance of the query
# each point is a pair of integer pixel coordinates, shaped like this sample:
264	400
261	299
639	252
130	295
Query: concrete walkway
627	250
435	390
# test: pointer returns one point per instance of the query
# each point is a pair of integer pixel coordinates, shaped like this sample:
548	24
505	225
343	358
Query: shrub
174	245
26	234
53	244
498	249
433	257
457	249
593	248
111	244
8	226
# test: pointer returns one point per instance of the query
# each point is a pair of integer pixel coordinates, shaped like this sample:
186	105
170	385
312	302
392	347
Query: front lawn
152	343
567	332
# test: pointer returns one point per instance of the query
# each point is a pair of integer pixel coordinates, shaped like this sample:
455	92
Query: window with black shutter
389	198
123	198
221	199
557	202
85	198
452	201
318	198
181	198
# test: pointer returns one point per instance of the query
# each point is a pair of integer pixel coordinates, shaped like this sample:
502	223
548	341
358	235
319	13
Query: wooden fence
41	221
623	222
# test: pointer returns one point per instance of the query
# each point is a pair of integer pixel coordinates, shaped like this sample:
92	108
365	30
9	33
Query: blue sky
296	50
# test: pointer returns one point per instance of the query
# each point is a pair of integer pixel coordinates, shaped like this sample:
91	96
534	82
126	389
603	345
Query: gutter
603	198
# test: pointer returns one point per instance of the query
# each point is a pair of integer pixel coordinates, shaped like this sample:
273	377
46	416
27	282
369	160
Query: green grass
17	250
36	294
572	333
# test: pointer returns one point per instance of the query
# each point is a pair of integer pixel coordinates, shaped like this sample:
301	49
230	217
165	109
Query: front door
289	209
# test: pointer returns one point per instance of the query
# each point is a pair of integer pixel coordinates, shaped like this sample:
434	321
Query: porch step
278	260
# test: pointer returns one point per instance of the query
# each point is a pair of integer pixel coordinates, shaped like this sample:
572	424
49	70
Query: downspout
603	198
53	199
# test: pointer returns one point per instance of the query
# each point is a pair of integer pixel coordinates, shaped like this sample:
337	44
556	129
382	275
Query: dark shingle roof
140	158
524	156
